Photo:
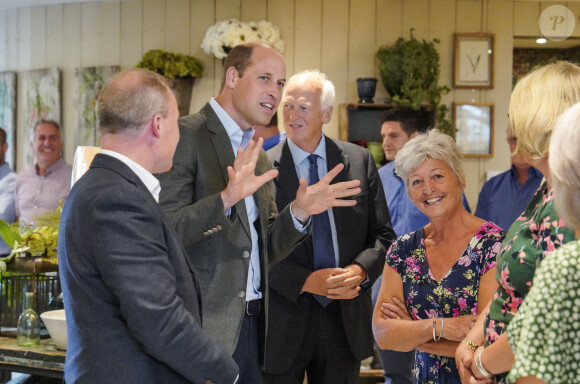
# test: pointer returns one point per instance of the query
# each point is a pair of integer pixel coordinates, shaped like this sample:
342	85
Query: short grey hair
314	75
39	122
564	160
432	144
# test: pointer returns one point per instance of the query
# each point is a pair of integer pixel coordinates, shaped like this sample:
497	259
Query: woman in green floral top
543	334
536	102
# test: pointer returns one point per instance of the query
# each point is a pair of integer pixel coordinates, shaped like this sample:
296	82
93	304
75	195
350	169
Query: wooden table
44	360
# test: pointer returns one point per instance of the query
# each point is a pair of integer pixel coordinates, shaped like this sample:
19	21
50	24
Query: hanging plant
410	73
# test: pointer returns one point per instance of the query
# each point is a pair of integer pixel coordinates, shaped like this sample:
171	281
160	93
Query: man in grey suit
132	302
308	332
218	197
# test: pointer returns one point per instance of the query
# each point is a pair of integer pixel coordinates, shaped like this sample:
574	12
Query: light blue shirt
302	165
235	134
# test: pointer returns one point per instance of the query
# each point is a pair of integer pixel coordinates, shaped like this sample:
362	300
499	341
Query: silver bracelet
482	371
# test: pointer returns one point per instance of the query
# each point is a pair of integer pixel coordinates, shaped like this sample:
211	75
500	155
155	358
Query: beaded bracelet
470	344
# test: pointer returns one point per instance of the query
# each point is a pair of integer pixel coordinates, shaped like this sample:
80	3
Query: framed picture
88	83
42	100
473	128
473	60
8	113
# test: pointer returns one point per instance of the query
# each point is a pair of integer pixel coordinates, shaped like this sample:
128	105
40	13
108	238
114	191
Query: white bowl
55	322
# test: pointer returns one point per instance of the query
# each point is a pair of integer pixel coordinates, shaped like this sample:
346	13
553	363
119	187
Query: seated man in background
269	133
44	186
505	196
6	191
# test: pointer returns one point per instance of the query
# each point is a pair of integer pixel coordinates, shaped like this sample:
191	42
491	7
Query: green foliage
171	65
410	73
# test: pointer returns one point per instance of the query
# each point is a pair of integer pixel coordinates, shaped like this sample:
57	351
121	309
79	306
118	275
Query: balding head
131	99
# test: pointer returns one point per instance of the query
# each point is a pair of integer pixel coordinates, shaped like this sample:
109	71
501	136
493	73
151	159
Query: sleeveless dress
454	295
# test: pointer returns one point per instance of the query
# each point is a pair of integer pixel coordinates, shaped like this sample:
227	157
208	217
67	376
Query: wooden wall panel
525	18
574	6
72	58
361	44
416	16
54	35
335	22
202	16
282	14
254	10
178	25
307	35
131	47
37	33
389	28
154	25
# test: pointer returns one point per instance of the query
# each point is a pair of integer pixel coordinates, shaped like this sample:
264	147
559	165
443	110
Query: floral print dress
454	295
538	231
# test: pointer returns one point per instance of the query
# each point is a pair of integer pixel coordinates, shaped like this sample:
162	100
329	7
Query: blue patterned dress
454	295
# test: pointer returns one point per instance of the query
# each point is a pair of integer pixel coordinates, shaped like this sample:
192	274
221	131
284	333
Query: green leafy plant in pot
410	73
180	69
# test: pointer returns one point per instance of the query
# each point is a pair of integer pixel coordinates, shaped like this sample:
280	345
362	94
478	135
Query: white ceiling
11	4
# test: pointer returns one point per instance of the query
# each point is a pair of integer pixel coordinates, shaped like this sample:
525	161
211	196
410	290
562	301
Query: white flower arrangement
221	37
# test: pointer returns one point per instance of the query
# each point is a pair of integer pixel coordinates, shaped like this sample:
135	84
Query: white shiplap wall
339	37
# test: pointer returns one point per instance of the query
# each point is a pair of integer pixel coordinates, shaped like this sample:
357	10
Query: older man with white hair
320	297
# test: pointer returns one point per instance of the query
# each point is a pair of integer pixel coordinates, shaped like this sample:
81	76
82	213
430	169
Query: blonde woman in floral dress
536	102
437	278
543	334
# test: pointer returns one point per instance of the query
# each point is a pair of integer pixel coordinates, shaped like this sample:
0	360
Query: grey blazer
131	301
364	234
218	247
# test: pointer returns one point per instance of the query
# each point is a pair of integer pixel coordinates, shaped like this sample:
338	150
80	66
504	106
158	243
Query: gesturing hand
243	181
319	197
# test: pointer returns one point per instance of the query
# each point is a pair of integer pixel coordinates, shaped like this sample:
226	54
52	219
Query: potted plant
179	68
410	73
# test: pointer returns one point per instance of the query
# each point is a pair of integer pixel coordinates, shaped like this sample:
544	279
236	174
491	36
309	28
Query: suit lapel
223	151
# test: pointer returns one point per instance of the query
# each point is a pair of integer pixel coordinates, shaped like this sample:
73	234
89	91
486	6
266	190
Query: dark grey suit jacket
218	247
131	301
364	234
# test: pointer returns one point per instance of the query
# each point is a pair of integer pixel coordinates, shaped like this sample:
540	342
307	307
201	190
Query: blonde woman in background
536	102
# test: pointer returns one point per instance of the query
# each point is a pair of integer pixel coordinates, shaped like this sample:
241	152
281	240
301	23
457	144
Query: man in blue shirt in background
504	197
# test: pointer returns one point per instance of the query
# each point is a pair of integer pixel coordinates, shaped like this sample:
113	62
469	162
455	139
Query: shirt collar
232	128
150	181
299	155
50	169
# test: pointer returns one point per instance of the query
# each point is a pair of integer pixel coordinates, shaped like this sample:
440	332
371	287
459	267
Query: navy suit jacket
364	234
132	303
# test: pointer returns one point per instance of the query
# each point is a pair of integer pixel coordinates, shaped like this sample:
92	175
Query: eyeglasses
512	140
